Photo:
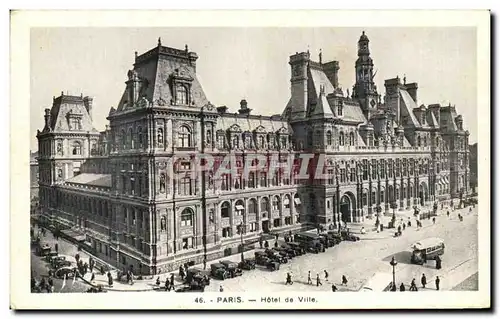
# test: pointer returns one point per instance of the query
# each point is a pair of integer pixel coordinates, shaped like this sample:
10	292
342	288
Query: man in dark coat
437	282
344	280
402	287
413	285
423	280
309	281
172	280
318	281
438	262
334	288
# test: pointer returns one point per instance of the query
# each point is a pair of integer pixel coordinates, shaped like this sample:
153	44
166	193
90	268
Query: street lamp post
241	236
393	264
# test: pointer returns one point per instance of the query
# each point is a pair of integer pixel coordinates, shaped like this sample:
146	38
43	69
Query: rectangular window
252	227
263	179
365	170
374	169
342	175
186	220
331	177
226	232
353	175
185	186
132	186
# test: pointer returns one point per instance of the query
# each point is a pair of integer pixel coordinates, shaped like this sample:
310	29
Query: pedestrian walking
110	279
167	285
423	280
402	287
413	285
318	281
433	220
92	278
334	288
404	226
181	272
172	279
309	281
399	229
438	262
326	275
288	279
158	282
102	270
221	289
344	280
470	209
437	282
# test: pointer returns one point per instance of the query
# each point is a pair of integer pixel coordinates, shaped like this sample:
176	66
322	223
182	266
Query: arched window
276	203
187	217
329	138
225	210
351	139
159	136
77	148
341	139
123	139
130	138
184	137
139	137
182	96
264	204
252	206
419	141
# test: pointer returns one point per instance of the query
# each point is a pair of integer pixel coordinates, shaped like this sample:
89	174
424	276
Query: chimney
87	101
412	88
436	110
244	107
47	118
331	70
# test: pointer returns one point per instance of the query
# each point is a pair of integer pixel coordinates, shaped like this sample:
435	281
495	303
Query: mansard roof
64	108
253	123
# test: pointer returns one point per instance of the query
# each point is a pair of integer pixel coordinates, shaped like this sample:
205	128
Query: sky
251	64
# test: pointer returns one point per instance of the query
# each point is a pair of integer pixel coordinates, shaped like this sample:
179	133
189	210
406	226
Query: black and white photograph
255	166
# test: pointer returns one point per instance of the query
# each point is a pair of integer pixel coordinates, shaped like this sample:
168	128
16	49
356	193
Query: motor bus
426	249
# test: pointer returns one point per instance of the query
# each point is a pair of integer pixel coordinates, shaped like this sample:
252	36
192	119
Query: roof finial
159	41
320	56
136	54
404	79
363	32
186	47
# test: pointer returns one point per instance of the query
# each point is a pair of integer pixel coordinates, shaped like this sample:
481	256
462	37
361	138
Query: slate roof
101	180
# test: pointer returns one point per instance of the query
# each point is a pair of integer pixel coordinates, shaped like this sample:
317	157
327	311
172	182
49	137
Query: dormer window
181	95
236	141
74	121
340	109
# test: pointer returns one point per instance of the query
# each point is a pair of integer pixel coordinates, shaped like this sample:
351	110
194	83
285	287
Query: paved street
357	260
360	260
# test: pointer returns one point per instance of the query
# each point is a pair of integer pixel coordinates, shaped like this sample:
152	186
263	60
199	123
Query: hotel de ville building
115	189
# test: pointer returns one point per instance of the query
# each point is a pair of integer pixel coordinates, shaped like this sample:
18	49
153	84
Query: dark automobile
247	264
299	250
290	251
218	271
336	236
193	287
232	268
312	247
346	235
283	252
310	242
327	240
42	249
262	259
197	275
275	256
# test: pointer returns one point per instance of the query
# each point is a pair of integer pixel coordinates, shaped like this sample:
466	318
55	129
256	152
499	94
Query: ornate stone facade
378	153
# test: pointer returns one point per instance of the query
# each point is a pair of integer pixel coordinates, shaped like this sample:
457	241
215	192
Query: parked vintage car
60	261
346	235
193	287
43	249
197	275
288	250
262	259
310	242
232	268
299	250
273	265
327	241
275	256
218	271
336	236
69	272
283	252
247	264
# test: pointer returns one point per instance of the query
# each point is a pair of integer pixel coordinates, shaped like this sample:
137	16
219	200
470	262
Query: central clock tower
365	89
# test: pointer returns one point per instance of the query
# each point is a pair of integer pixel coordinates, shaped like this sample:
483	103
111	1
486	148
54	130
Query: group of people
44	285
423	281
318	279
169	283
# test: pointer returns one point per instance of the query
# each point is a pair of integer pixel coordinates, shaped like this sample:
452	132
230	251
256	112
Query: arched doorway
347	206
265	212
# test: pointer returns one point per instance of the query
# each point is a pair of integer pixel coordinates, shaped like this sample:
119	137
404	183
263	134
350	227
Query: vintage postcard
250	159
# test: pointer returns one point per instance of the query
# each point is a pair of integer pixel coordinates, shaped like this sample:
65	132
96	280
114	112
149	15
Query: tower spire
159	41
320	56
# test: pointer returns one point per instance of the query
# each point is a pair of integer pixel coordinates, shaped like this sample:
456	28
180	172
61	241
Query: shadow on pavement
403	257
